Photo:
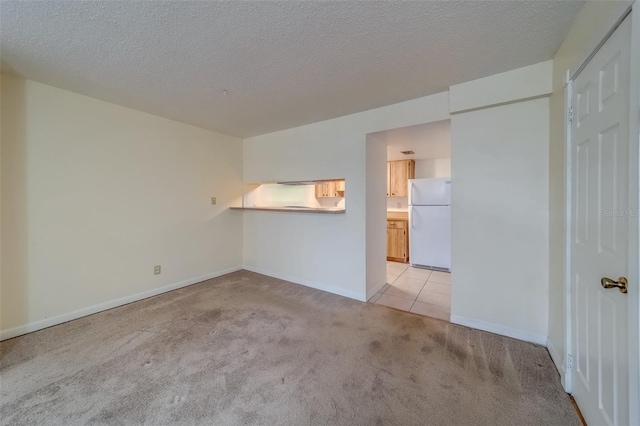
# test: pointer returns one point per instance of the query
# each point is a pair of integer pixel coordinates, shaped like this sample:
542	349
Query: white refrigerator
430	223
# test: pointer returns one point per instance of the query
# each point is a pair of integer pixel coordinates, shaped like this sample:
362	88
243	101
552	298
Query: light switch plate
157	270
213	200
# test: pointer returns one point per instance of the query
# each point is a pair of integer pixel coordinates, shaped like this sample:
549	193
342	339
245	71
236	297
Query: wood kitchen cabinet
398	173
397	241
334	188
324	189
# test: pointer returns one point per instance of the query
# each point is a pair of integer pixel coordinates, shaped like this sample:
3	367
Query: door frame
624	9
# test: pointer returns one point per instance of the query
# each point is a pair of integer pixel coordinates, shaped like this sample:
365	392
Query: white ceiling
428	141
283	64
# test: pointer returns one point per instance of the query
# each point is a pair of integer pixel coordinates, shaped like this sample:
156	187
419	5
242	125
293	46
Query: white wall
376	216
397	204
322	251
433	168
94	195
522	83
500	210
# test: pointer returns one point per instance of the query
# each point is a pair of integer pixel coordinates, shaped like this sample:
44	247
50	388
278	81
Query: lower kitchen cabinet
397	241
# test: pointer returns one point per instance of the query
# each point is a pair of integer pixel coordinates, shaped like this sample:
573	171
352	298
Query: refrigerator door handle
410	192
412	219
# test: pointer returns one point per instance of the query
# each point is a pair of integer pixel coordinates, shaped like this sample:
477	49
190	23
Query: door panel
608	190
582	313
608	358
581	186
600	232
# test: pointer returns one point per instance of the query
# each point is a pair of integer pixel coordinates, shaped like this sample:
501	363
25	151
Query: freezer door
429	192
430	236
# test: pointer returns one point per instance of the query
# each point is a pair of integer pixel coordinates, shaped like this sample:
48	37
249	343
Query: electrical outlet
157	270
213	200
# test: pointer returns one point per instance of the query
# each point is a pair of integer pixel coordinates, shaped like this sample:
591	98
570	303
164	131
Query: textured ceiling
283	64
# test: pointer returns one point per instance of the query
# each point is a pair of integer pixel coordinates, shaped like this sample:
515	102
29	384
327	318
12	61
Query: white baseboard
90	310
558	361
373	292
330	289
540	339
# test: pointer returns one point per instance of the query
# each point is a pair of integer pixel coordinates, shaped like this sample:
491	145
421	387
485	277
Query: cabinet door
322	190
397	241
388	179
401	242
405	245
399	173
331	189
411	170
392	243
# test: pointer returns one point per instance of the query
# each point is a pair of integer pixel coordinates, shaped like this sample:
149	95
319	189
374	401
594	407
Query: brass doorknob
621	284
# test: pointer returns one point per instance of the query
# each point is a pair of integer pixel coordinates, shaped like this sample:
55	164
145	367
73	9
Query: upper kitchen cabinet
334	188
398	173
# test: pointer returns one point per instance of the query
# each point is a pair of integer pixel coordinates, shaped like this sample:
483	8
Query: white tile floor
416	290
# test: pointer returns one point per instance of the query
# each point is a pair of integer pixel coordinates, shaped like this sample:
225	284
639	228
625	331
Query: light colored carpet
250	349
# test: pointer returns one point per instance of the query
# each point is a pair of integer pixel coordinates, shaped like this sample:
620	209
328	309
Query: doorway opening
418	218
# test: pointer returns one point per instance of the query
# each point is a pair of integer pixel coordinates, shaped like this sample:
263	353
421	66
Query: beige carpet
249	349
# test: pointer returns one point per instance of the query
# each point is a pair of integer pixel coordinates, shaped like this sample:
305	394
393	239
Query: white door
600	232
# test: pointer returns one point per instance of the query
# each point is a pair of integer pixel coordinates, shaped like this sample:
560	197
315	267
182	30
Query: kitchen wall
433	168
275	195
500	204
94	195
325	251
340	202
588	28
397	204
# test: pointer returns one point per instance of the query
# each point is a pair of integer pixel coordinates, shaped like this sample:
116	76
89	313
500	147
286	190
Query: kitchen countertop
397	215
295	210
